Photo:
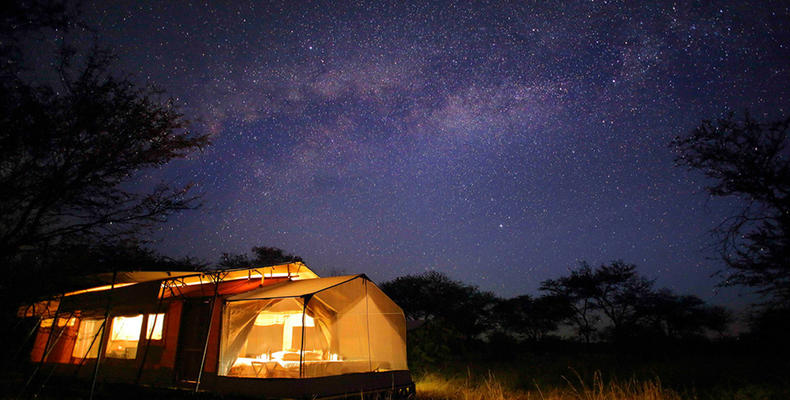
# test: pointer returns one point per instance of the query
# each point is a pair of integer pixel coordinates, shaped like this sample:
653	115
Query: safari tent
276	331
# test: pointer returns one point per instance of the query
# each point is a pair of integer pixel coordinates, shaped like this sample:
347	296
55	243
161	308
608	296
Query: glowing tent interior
246	331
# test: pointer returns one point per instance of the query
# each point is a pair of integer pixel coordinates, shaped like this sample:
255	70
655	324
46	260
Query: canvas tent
247	331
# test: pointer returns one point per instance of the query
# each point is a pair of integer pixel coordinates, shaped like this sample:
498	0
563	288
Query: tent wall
349	331
387	331
159	360
39	343
64	334
212	355
172	326
61	352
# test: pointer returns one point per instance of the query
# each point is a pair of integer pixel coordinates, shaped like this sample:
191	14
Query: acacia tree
69	145
578	289
451	315
612	290
525	317
680	316
619	289
747	159
433	297
630	305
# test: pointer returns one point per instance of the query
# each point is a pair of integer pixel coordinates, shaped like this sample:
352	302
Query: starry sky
498	142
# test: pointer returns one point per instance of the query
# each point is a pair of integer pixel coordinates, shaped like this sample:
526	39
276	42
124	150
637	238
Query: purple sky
495	141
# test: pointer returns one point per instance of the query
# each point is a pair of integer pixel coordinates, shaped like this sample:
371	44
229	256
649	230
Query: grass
571	375
435	387
576	377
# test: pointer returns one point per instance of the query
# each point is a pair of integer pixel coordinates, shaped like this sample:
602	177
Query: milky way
497	142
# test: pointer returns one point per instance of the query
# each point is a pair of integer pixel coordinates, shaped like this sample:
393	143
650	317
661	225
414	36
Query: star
419	126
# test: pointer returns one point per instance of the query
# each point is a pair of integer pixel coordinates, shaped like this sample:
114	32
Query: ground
610	377
548	376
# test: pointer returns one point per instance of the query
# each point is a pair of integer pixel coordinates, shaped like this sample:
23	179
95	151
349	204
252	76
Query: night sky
497	142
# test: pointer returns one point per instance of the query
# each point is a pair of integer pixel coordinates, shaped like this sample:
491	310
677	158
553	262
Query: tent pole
208	330
27	337
48	351
103	331
367	324
53	344
44	352
305	299
43	384
149	331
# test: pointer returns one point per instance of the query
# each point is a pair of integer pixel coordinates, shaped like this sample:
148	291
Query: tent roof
104	281
291	269
294	288
139	276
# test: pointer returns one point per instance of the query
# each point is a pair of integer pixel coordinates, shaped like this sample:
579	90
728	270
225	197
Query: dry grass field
543	376
434	387
603	378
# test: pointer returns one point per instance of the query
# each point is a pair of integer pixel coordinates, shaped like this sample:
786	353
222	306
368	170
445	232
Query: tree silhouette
452	315
68	146
618	290
579	290
261	256
680	316
76	261
630	305
435	298
233	260
769	325
525	317
747	159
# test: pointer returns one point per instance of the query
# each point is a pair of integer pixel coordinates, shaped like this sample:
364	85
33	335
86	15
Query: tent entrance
191	338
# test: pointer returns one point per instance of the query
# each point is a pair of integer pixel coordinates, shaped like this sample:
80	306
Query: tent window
124	335
86	346
47	323
282	329
155	322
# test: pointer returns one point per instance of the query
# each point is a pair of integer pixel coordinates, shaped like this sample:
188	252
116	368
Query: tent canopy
295	270
137	276
103	282
294	288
